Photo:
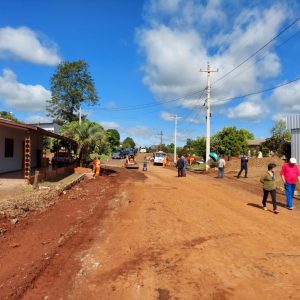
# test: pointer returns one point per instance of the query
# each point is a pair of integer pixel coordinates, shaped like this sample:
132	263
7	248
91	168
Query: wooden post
36	179
27	156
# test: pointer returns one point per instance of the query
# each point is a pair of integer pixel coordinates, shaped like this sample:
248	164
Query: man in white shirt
221	167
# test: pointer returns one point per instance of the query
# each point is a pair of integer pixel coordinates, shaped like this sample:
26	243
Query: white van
159	157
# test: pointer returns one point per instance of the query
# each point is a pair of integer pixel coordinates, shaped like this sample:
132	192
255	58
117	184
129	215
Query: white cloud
166	6
22	97
140	131
166	116
288	98
176	46
109	125
279	117
246	110
24	44
34	119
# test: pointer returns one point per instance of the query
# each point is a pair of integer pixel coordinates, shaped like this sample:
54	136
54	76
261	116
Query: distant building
293	123
52	127
254	145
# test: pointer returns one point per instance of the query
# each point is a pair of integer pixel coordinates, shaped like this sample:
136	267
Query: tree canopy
231	139
71	86
128	143
113	136
90	137
279	141
7	115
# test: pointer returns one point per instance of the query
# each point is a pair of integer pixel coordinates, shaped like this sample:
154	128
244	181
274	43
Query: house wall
8	164
296	144
14	163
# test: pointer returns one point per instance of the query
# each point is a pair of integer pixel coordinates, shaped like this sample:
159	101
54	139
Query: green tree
279	130
71	86
231	138
90	138
279	140
113	136
199	146
128	143
7	115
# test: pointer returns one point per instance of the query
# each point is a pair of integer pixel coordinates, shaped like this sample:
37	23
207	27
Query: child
269	186
145	164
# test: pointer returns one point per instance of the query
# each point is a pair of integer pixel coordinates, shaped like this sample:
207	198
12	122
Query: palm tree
90	137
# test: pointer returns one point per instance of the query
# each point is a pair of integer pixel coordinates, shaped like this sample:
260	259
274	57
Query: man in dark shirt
180	166
244	166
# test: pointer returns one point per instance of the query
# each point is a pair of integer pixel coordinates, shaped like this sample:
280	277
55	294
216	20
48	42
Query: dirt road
155	236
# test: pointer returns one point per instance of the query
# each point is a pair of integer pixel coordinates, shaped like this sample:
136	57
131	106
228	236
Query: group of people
290	174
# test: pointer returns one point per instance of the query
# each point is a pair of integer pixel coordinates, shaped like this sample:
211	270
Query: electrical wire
259	92
257	51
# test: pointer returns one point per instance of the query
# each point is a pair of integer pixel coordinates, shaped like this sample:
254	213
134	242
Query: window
9	148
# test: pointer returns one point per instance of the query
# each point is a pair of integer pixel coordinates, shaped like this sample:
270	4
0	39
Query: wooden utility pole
208	114
161	139
176	118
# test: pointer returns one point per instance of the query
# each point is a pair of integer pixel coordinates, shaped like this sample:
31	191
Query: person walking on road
145	164
244	166
184	165
221	167
290	174
180	166
269	186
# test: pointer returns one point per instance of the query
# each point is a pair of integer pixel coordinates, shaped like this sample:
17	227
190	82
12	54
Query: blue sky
151	52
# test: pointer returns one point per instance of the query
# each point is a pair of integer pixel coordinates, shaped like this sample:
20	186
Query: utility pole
161	140
208	114
176	118
79	115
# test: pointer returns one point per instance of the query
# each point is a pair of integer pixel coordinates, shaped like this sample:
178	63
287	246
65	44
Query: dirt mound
253	162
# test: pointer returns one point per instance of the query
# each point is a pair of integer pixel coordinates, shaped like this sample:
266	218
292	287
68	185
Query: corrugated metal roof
293	121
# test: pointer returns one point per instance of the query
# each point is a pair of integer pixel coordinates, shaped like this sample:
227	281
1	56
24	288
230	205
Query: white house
293	123
21	146
53	127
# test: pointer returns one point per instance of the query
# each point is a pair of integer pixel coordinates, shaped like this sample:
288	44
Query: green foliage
95	155
128	143
199	146
231	138
265	151
279	130
280	139
47	143
71	86
9	116
90	137
113	136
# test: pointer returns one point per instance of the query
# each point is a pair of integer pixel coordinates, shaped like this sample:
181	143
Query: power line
257	51
259	92
261	58
152	104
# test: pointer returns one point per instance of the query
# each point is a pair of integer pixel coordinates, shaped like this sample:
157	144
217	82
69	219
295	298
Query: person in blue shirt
244	166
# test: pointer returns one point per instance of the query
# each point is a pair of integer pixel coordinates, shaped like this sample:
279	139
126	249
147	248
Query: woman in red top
290	174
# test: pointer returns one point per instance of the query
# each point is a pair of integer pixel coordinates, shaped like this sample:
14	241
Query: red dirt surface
152	235
44	243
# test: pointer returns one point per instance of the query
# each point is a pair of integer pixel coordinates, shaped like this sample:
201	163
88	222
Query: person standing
184	165
221	167
290	174
145	164
180	166
269	187
244	166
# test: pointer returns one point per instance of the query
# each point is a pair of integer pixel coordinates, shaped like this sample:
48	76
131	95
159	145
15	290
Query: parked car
117	155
